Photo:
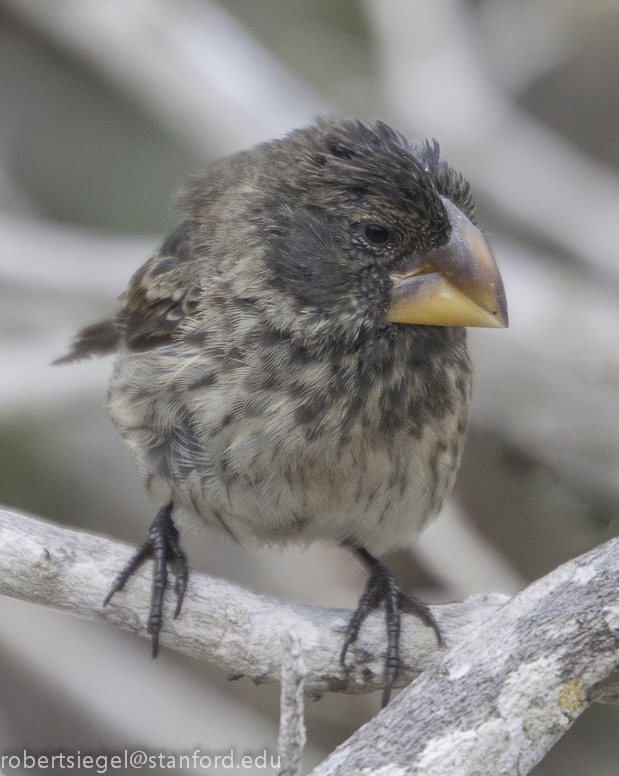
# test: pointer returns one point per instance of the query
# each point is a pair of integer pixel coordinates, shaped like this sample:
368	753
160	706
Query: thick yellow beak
456	285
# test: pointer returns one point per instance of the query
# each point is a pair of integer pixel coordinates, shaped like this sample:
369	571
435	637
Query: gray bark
292	734
225	624
497	702
517	672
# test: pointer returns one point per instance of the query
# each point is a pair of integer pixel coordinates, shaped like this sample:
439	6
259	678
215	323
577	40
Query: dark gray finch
291	364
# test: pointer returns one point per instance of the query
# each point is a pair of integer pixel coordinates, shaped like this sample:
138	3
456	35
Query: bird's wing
159	296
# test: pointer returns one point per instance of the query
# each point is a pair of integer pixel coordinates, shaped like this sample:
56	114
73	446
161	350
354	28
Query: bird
291	364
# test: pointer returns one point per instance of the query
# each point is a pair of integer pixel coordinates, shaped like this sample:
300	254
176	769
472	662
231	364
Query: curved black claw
381	587
163	547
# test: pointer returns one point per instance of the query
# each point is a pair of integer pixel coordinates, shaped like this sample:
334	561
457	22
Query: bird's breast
315	450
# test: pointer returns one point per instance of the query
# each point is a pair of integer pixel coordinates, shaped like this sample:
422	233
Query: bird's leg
381	587
163	547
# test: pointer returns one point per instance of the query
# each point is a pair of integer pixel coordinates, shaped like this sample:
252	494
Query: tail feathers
101	339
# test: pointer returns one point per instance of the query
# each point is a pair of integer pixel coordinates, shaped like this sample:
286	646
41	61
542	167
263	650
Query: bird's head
349	229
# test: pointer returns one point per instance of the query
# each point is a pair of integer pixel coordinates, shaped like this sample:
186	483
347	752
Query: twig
292	736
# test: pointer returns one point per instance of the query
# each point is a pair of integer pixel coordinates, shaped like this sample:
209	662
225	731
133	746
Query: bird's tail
100	339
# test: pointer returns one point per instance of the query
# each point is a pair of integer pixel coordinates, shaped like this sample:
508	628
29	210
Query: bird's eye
376	234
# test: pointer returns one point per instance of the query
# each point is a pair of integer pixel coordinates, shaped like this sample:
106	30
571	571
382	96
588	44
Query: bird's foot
381	587
163	547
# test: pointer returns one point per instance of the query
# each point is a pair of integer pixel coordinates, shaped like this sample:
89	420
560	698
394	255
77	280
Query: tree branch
225	624
499	700
517	674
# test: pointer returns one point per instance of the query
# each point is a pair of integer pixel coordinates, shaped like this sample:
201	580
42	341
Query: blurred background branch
106	106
